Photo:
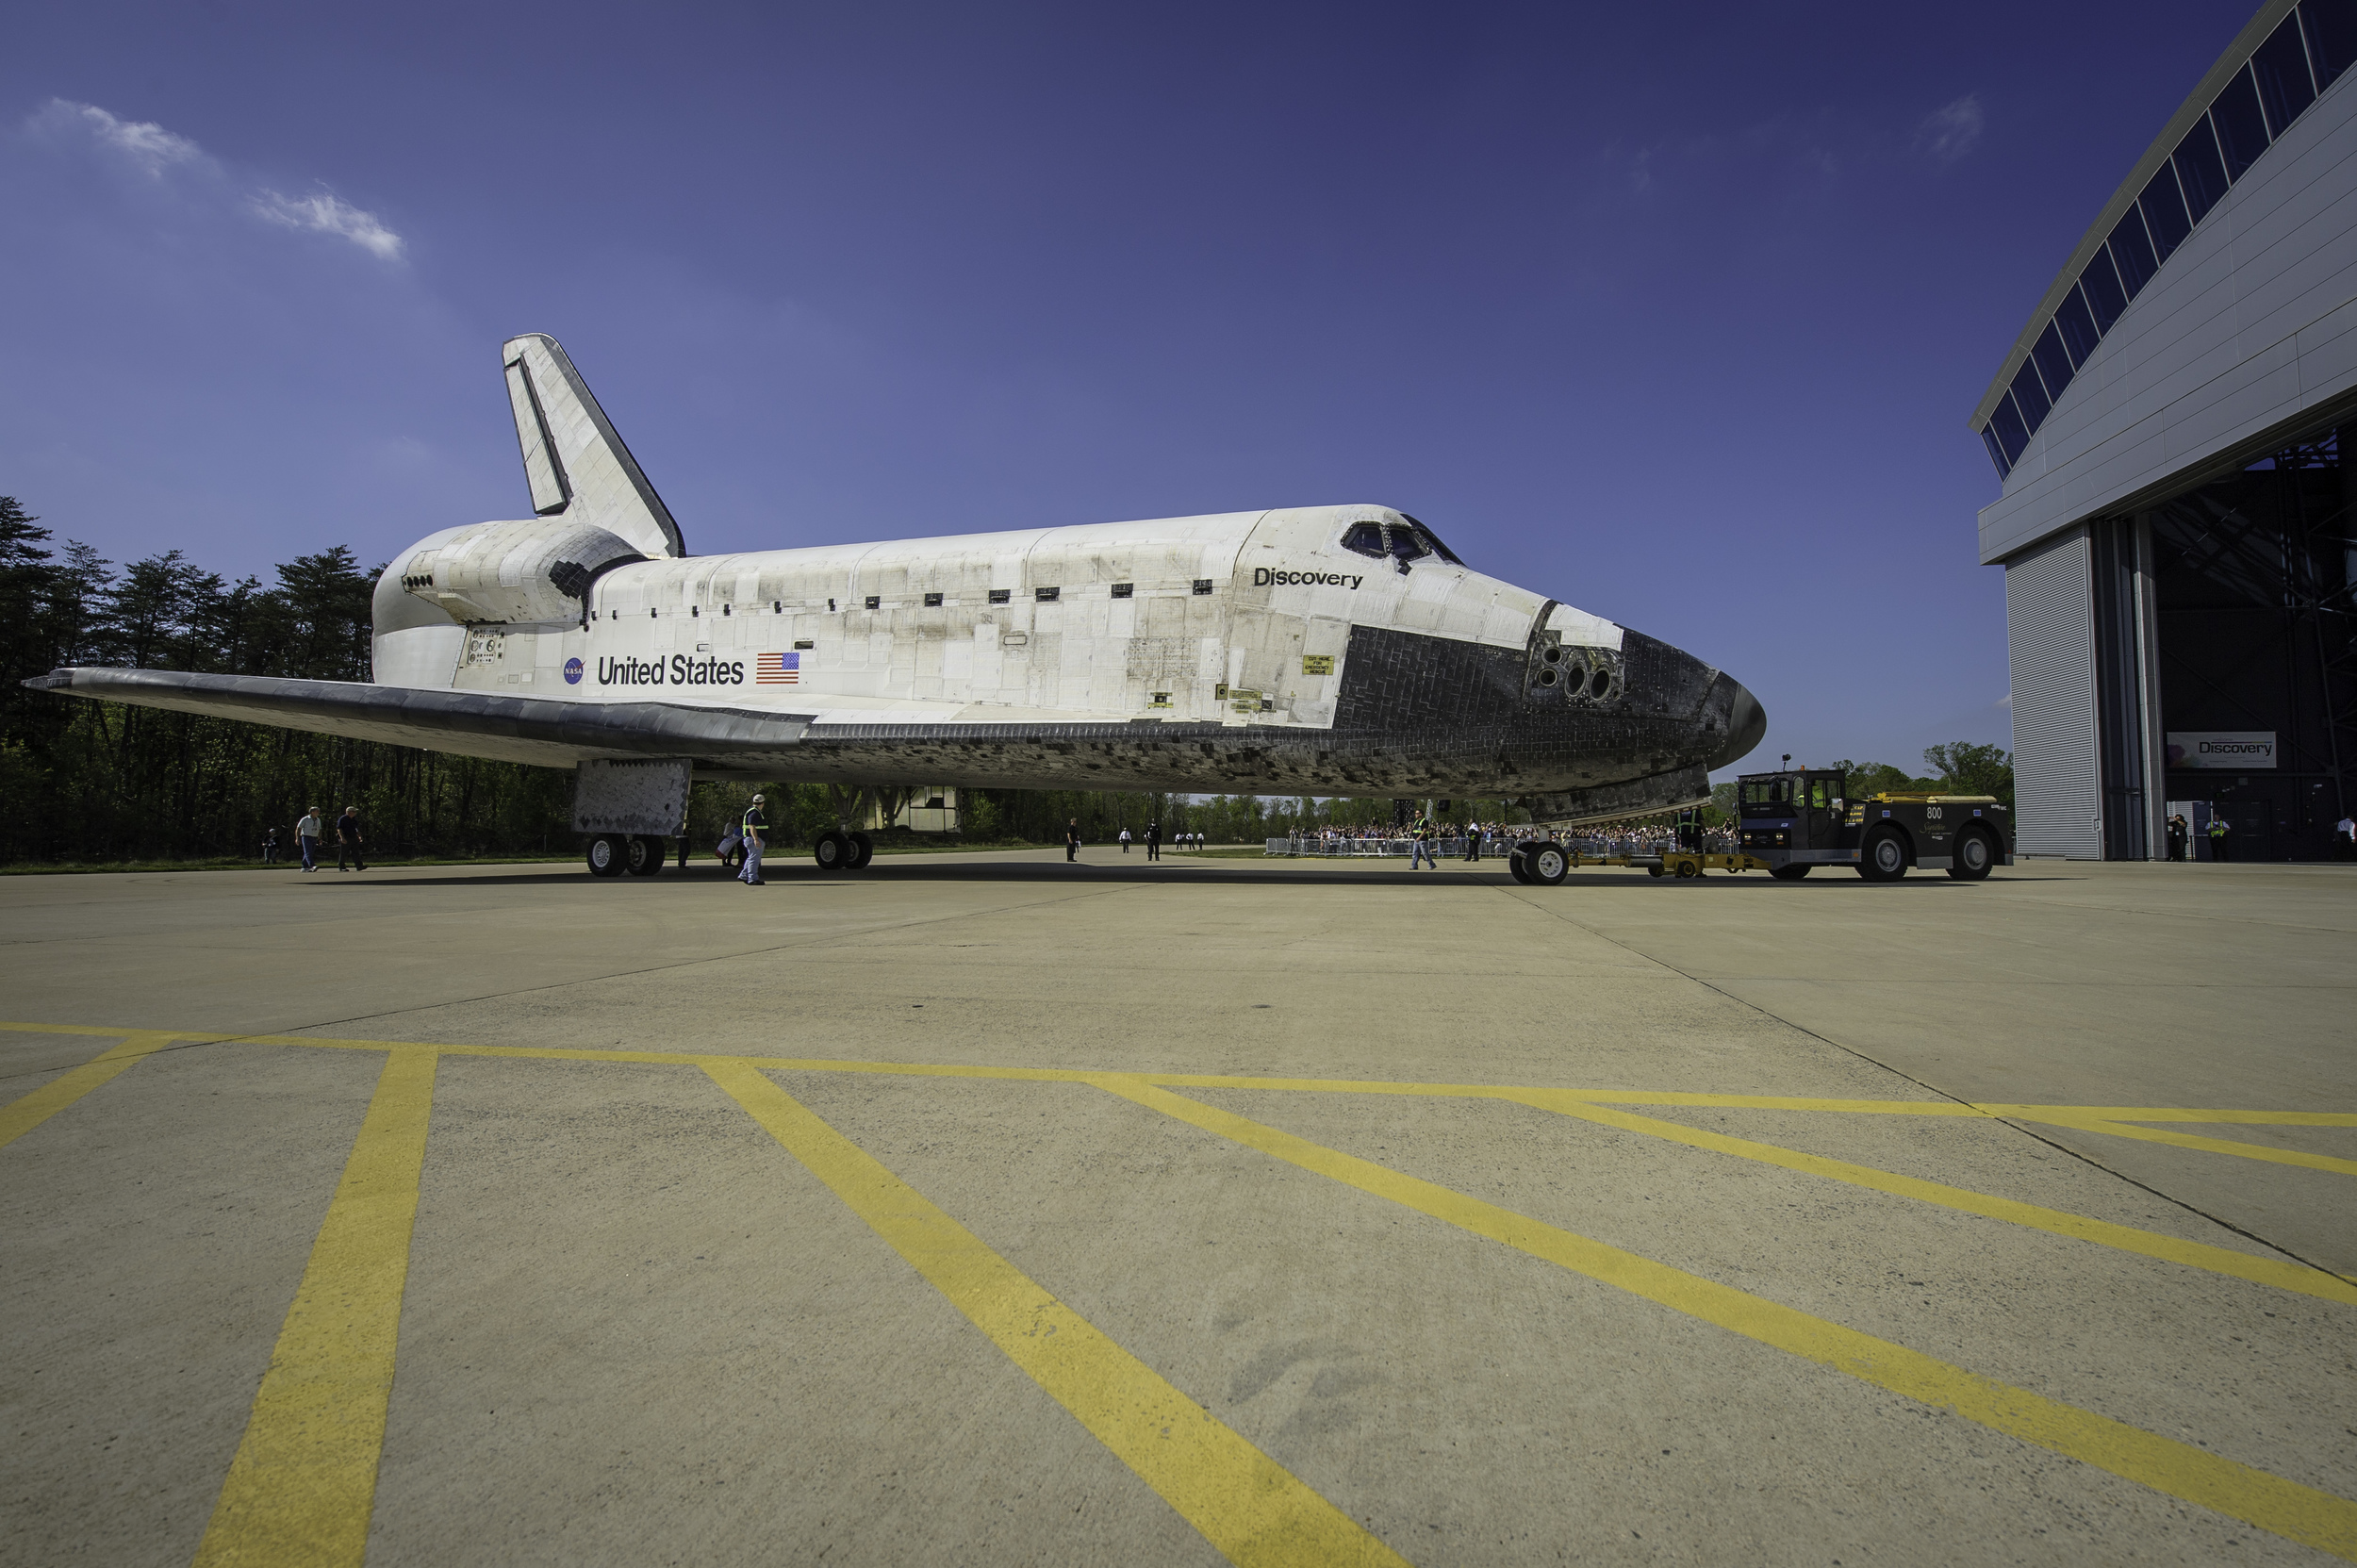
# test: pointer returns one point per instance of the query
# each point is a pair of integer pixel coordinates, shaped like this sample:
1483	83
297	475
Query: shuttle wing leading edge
547	730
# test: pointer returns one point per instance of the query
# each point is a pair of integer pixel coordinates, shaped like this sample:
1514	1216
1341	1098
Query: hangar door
2050	633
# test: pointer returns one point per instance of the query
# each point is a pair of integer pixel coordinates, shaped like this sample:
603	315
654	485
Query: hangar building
2176	433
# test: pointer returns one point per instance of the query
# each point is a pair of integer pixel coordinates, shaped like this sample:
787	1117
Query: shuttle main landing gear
612	853
849	849
843	852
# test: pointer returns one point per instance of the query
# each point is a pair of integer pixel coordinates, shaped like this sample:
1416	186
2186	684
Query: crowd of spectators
1622	838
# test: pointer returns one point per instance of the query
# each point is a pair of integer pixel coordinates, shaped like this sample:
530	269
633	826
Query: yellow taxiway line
2181	1470
2054	1116
304	1482
2281	1273
302	1486
1254	1510
27	1112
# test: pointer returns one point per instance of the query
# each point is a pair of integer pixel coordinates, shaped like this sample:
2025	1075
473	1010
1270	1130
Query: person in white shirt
1125	841
307	836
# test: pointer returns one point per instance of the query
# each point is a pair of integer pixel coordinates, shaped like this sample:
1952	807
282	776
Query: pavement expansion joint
2022	1118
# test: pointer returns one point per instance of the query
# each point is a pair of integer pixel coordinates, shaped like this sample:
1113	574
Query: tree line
83	781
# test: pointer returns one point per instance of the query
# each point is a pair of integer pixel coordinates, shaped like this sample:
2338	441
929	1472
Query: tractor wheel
1972	857
1883	858
1787	873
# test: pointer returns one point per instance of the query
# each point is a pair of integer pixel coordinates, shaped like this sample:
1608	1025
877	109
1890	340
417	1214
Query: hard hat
756	799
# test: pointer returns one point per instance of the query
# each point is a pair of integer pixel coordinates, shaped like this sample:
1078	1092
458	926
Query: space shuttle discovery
1318	651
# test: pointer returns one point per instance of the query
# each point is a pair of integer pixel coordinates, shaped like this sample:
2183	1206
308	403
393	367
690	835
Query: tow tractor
1795	821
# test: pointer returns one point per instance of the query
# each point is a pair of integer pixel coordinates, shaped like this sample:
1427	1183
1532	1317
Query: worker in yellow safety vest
753	827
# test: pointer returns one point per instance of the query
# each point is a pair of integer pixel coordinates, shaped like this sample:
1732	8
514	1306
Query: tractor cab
1798	812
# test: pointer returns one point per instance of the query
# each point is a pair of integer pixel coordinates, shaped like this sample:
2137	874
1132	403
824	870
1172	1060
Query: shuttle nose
1746	720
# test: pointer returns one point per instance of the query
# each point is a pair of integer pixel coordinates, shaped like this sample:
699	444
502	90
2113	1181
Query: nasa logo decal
573	673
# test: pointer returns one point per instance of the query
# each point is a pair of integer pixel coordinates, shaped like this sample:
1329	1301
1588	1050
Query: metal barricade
1596	846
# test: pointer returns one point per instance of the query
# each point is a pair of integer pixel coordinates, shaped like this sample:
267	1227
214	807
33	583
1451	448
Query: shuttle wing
547	731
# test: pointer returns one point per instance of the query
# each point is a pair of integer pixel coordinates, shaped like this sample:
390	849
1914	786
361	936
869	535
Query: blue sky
1674	314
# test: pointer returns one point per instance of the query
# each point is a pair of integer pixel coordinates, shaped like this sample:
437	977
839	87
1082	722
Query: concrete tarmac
984	1209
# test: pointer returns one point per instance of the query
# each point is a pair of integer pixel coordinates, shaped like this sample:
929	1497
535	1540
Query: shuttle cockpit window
1405	541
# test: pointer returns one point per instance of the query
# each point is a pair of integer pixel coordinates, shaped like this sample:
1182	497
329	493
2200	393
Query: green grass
74	868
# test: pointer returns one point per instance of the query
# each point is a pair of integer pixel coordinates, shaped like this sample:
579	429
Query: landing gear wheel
863	851
1653	870
832	851
643	856
1972	856
1547	866
606	855
1787	873
1518	864
1690	867
1883	858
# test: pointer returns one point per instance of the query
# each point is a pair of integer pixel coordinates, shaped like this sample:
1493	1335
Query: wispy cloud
147	146
325	213
1949	131
156	152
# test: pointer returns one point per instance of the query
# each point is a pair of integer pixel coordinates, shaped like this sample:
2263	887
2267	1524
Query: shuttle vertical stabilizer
577	466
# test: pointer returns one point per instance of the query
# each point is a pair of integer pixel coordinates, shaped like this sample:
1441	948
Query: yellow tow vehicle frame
1673	863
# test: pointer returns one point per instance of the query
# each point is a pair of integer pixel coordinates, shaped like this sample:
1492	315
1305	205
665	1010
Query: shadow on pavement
800	875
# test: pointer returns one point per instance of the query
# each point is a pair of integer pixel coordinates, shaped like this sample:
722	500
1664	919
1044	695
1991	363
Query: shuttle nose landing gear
1535	863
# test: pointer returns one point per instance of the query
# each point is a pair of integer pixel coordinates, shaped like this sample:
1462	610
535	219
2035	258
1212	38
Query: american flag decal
776	670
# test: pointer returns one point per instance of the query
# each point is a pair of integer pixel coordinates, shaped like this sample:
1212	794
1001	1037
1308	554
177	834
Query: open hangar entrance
2219	662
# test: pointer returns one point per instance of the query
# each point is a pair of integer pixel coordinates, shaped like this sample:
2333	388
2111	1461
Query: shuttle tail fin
577	466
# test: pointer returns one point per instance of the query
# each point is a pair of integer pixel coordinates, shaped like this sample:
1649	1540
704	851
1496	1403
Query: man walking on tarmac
1072	840
755	828
349	841
1154	840
2218	834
